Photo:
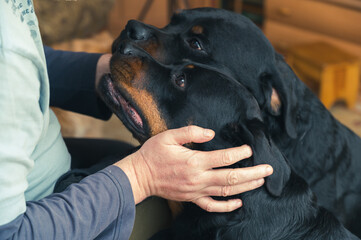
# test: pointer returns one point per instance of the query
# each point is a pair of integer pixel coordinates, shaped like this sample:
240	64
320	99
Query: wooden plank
322	53
284	36
318	16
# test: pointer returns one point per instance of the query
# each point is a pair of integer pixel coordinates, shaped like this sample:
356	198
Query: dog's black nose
128	48
138	31
125	48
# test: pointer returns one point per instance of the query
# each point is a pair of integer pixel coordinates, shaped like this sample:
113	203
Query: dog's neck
324	150
317	133
294	214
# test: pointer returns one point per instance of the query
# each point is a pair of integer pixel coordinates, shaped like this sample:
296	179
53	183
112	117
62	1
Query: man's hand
102	67
163	167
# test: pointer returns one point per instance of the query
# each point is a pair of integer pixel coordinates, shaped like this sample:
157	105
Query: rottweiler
321	150
150	97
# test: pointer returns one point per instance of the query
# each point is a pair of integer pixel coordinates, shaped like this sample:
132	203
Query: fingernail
208	133
269	170
238	202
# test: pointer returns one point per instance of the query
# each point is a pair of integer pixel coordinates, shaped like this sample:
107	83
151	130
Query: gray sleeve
101	203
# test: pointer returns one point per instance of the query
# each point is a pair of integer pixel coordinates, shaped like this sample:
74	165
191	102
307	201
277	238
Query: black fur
320	149
284	208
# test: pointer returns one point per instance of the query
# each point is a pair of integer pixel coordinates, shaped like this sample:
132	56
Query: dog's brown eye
194	43
180	81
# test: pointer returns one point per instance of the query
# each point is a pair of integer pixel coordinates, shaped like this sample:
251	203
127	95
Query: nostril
126	50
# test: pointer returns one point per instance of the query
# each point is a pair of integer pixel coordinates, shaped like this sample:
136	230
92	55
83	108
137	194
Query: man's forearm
72	82
100	204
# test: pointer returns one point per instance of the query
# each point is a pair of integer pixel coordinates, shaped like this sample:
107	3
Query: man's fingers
190	134
225	157
211	205
236	176
225	191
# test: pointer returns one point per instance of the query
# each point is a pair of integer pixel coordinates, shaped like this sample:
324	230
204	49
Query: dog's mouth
123	107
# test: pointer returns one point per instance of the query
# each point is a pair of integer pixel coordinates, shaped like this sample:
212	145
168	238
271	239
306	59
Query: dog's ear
278	85
265	152
253	133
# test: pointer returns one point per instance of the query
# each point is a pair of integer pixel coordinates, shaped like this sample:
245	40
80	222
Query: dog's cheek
155	50
150	110
134	83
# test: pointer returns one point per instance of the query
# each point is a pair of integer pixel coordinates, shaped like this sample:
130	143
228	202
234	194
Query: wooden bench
331	72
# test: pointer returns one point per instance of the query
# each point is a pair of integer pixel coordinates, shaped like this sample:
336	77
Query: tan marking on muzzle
126	71
150	47
149	108
153	48
134	85
197	29
130	75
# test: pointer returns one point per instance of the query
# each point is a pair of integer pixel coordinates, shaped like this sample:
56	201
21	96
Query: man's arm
72	82
102	203
82	211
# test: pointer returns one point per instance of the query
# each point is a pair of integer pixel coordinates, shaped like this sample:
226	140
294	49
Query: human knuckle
226	158
232	177
209	207
191	130
225	191
192	182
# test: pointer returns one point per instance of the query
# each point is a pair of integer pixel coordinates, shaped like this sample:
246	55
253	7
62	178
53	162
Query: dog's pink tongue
135	116
132	113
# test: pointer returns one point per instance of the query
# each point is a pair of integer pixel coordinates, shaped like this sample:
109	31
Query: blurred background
320	39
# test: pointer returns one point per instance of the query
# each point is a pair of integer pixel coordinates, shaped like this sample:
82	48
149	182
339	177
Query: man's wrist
136	176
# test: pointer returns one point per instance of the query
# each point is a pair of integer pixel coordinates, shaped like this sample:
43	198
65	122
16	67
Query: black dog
321	150
175	96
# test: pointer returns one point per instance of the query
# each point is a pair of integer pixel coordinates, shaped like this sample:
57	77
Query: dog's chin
121	105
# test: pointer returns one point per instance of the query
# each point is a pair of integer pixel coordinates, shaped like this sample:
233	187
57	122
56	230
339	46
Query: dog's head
150	97
227	41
